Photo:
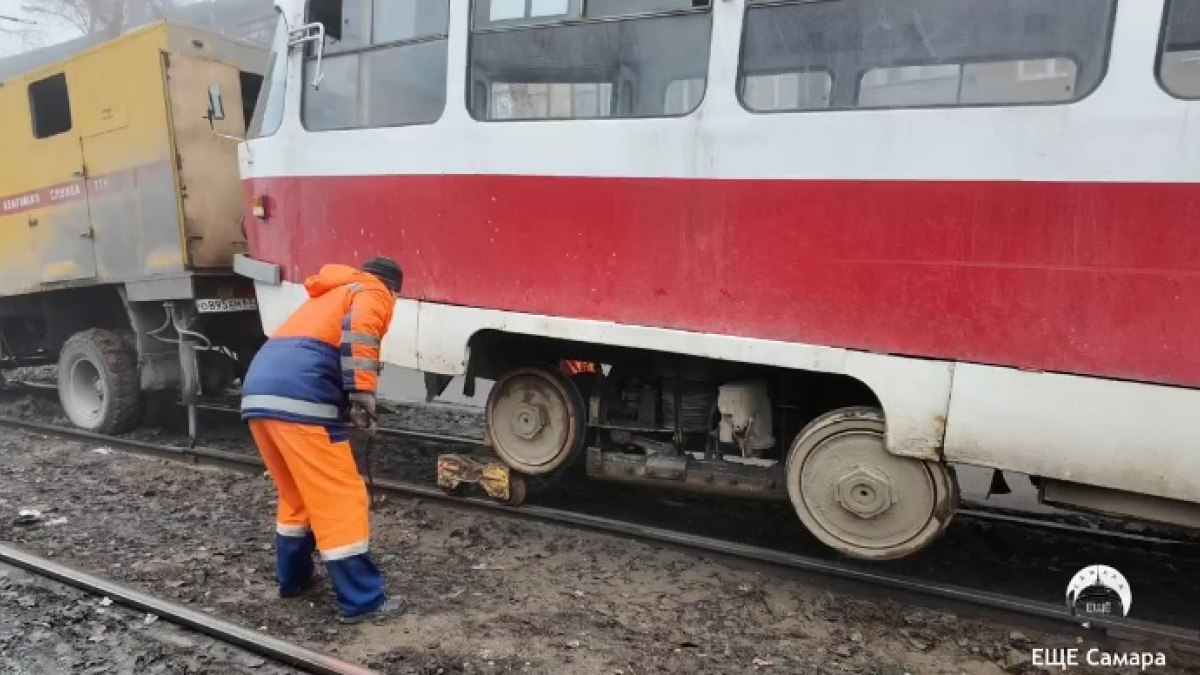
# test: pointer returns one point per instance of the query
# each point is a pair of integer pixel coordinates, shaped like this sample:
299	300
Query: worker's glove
362	412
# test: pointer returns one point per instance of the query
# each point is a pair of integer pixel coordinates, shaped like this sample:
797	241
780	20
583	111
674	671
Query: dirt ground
485	593
47	628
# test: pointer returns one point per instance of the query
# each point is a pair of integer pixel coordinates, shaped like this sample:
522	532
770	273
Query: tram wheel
535	420
859	499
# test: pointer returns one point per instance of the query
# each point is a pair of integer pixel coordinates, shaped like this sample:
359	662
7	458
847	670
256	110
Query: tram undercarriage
715	428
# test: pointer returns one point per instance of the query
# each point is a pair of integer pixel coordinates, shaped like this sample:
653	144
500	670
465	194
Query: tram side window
385	64
50	106
577	59
1179	60
846	54
272	94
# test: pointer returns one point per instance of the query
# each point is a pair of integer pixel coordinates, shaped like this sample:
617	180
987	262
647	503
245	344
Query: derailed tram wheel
535	420
861	500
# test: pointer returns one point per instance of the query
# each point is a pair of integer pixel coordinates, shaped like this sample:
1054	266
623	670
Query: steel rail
383	431
228	633
973	513
1186	639
978	514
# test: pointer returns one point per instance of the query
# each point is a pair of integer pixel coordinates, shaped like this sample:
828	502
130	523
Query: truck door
131	198
207	171
50	192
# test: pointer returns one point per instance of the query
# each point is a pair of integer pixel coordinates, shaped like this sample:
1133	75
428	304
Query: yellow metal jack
495	477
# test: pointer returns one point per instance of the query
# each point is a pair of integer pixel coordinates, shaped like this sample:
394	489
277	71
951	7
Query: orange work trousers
319	486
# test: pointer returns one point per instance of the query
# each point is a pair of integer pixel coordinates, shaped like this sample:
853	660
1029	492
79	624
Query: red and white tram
829	248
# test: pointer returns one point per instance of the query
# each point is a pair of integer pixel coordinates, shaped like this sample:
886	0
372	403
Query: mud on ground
485	593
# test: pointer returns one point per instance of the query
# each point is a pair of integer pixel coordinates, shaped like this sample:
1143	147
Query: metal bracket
311	32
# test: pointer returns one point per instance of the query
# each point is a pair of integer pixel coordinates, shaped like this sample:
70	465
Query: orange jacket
328	348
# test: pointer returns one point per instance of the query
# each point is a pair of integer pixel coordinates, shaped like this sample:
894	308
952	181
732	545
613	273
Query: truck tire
98	381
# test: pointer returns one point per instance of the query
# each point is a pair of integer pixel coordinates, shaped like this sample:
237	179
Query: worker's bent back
327	349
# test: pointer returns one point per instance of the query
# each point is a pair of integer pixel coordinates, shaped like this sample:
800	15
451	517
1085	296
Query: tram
825	250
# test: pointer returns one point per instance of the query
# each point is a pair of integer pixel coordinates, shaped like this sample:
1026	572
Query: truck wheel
98	382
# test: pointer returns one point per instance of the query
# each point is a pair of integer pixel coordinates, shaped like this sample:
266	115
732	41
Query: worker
312	383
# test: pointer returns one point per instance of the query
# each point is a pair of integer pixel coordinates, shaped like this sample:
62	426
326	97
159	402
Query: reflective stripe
291	530
344	552
290	405
360	339
351	363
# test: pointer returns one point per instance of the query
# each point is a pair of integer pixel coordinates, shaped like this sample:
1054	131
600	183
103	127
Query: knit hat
386	270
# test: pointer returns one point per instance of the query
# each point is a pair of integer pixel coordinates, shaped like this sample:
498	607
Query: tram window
1179	60
787	91
50	106
684	96
1025	81
397	78
562	100
492	13
599	8
922	53
909	86
268	110
347	23
1043	80
397	20
335	104
556	67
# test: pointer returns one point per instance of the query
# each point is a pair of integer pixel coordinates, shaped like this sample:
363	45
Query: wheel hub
864	492
528	421
535	420
86	389
860	499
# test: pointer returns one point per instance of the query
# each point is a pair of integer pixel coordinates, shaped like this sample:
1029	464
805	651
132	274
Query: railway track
283	653
1087	526
1015	607
1094	529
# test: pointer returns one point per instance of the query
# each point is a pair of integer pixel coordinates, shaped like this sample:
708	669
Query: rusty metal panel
134	214
96	203
206	164
127	149
46	234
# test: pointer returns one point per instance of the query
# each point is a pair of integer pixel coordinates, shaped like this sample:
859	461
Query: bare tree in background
20	29
104	17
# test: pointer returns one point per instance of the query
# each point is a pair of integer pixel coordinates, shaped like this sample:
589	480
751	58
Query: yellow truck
120	214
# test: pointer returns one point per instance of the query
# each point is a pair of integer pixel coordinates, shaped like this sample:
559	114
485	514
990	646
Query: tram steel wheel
859	499
535	420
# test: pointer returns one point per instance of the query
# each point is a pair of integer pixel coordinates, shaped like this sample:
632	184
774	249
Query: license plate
213	306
